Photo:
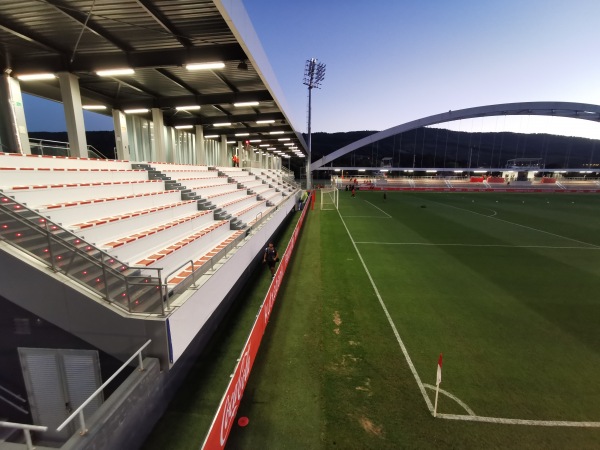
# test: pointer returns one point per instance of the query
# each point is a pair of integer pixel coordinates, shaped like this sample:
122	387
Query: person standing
270	257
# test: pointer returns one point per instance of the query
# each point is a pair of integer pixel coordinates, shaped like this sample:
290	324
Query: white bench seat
192	183
238	204
186	271
86	210
121	225
191	173
193	246
143	242
220	199
25	176
173	166
44	196
61	162
253	212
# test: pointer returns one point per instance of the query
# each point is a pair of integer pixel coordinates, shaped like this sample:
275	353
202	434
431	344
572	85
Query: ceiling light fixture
115	72
94	107
36	76
205	66
242	65
136	111
184	127
242	104
188	108
222	124
266	121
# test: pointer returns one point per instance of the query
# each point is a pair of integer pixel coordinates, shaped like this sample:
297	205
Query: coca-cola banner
223	421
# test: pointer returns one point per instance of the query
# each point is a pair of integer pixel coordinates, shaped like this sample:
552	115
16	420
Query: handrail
66	146
39	224
26	430
174	271
79	411
16	397
11	393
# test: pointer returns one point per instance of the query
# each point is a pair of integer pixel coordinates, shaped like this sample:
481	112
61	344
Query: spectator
271	257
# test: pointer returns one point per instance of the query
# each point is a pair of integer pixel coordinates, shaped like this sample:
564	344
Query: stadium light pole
314	73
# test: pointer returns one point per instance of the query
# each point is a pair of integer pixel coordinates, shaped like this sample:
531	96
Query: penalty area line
431	244
391	322
505	421
378	209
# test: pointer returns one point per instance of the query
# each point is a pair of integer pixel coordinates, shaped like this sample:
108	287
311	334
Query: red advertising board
225	416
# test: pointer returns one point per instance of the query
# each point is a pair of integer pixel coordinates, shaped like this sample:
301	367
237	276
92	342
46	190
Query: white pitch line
367	217
542	423
391	322
378	208
516	224
453	397
431	244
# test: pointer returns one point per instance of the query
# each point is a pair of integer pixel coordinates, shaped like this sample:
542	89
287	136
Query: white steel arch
558	109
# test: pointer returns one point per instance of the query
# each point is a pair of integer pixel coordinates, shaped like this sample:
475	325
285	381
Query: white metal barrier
79	411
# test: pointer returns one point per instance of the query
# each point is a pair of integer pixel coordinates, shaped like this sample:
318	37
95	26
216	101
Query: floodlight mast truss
314	74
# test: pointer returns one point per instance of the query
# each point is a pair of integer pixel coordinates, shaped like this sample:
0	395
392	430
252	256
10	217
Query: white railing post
79	411
82	429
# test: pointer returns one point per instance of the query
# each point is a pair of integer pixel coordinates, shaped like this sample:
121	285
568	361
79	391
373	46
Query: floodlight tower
314	73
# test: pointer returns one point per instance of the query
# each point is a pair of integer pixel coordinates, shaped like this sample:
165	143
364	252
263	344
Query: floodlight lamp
242	65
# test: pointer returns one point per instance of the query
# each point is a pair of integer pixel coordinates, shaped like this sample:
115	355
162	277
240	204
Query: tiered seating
399	183
121	211
580	184
430	183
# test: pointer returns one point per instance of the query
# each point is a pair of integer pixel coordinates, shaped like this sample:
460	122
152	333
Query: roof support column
222	159
159	135
13	128
71	98
121	137
200	147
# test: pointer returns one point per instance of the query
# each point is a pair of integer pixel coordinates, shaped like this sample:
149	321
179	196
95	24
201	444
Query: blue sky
392	61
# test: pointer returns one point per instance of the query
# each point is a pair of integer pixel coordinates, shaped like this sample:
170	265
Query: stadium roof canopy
157	39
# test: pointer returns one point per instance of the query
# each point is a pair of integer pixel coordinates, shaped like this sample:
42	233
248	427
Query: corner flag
437	384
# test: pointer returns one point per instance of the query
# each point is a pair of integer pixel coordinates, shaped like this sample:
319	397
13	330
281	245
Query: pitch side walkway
189	415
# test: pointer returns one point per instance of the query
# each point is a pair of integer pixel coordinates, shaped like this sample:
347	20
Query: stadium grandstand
118	275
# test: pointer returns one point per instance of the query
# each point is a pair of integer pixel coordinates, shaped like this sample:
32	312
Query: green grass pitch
504	285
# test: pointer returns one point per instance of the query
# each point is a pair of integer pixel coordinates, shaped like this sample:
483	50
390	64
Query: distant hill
431	147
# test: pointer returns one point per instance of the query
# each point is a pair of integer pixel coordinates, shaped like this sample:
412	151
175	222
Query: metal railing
197	272
79	411
16	397
59	148
136	290
27	429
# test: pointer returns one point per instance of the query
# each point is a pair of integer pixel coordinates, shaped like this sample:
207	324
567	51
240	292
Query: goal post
329	198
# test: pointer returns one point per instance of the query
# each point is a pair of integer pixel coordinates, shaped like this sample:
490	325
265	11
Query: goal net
329	198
